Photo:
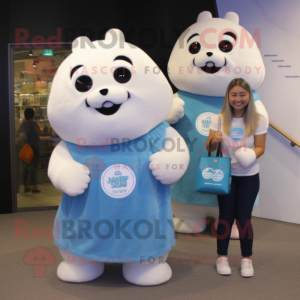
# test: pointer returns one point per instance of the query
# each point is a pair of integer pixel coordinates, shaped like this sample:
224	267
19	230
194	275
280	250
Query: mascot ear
80	43
114	34
204	16
232	16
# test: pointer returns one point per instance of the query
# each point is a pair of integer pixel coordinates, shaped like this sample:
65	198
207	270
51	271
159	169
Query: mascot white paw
177	111
245	156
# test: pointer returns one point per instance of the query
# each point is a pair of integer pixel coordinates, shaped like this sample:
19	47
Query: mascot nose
103	92
113	94
209	53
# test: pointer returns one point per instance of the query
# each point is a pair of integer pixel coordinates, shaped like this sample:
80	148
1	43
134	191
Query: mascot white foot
205	58
152	272
234	232
115	162
77	269
192	218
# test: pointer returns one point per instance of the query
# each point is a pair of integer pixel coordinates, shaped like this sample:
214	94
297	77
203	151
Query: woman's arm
259	142
216	137
38	130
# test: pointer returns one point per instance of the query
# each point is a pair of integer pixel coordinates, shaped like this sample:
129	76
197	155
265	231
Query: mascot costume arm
65	173
177	111
261	109
170	164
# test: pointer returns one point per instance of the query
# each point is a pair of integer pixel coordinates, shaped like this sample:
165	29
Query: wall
5	174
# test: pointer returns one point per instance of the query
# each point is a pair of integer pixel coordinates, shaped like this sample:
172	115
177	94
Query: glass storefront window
32	80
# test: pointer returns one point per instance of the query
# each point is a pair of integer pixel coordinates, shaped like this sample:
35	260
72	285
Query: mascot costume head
111	164
212	52
100	91
205	58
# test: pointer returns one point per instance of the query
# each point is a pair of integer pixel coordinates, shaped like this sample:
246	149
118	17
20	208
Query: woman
241	131
31	131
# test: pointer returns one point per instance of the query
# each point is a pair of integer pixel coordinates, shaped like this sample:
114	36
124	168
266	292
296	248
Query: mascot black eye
83	83
122	75
225	46
194	48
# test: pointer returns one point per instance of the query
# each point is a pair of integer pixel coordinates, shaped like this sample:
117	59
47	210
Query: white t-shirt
230	144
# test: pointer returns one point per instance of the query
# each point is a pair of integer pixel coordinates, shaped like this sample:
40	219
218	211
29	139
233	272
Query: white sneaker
247	267
223	266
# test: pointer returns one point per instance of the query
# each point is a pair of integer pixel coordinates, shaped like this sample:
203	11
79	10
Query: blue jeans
32	167
238	205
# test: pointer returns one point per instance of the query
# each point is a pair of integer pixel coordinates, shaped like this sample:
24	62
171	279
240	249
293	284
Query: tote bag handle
219	153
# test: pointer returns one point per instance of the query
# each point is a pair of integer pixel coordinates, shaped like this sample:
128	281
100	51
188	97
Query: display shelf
35	120
30	105
52	139
20	94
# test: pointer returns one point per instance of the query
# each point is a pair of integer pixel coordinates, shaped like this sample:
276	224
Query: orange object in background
40	83
26	153
40	68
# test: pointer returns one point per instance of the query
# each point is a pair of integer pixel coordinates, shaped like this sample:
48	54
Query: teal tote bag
214	174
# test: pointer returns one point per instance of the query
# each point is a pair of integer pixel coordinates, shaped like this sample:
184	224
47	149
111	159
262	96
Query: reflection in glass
33	75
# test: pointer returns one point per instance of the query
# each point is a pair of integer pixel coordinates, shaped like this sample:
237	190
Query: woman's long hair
251	116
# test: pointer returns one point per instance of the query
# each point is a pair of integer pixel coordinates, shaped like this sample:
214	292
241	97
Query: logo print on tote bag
118	181
215	175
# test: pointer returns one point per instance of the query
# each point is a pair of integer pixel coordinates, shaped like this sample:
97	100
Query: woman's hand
215	137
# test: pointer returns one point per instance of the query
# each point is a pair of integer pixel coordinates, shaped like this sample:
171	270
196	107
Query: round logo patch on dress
203	122
118	181
237	133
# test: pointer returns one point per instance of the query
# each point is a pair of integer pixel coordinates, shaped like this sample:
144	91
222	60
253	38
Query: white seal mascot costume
205	58
113	162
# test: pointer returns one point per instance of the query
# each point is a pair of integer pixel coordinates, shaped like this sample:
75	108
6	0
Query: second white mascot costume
114	162
205	58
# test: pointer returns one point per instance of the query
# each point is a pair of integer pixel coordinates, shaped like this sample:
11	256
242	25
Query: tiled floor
49	196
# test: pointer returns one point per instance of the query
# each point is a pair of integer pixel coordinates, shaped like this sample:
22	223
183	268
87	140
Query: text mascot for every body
114	162
206	57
